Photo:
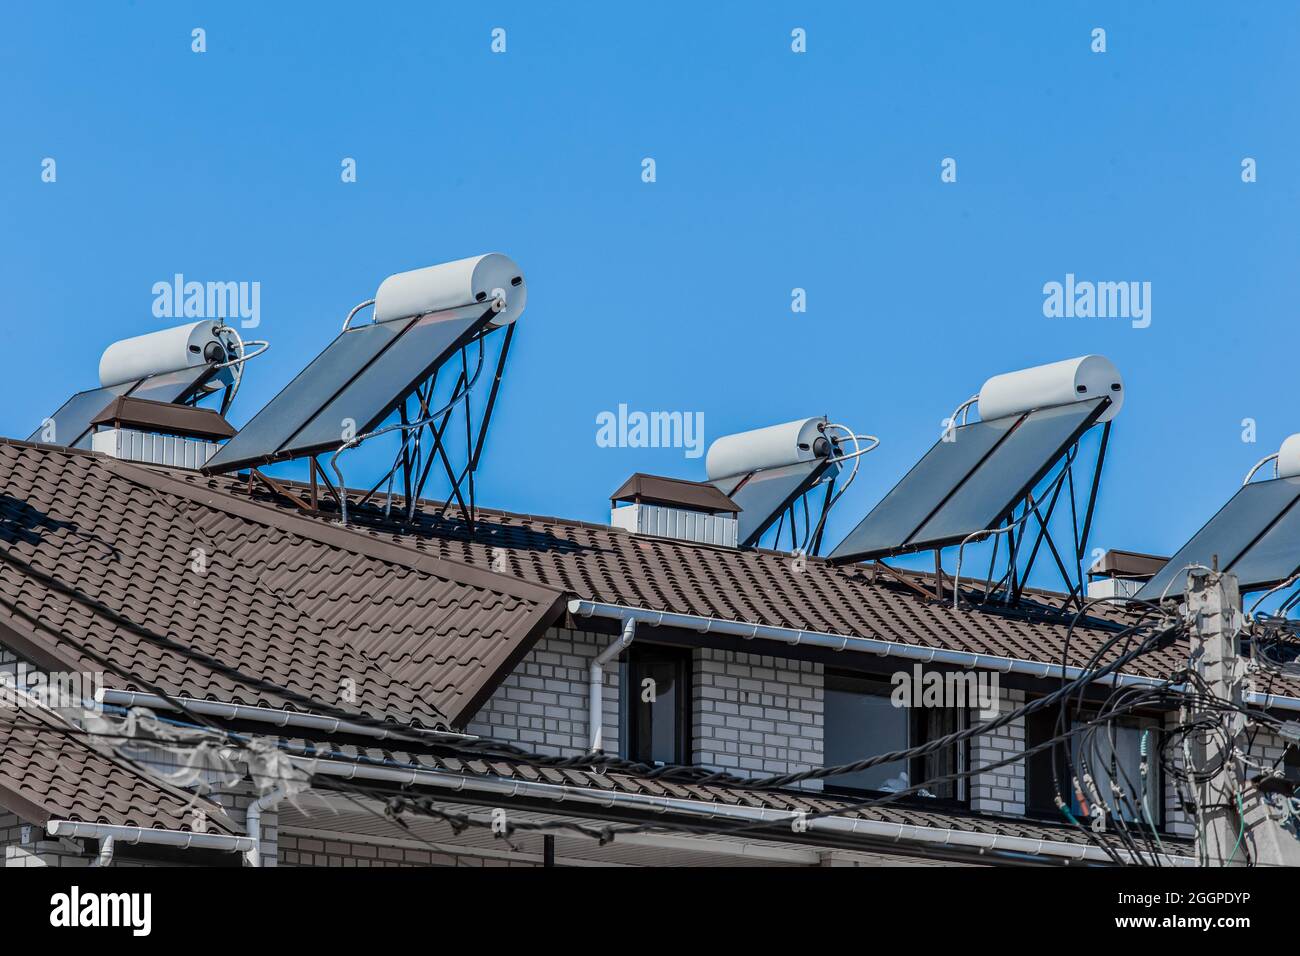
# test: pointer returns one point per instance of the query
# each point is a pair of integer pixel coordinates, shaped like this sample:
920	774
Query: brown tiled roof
47	774
904	813
97	562
607	564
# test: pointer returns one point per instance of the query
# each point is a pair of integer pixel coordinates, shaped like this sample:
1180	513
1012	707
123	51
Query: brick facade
1001	790
756	715
751	714
542	704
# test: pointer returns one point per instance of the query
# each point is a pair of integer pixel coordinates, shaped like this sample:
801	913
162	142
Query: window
1121	761
861	720
656	708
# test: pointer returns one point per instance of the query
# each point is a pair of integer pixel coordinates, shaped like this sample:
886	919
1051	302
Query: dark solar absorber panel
1246	517
911	502
386	381
1017	464
343	359
766	495
1275	556
968	484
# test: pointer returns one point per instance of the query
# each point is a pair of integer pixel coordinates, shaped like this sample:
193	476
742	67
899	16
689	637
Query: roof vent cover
675	508
158	433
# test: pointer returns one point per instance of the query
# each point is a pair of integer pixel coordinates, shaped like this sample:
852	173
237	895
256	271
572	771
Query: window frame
682	658
1042	763
916	735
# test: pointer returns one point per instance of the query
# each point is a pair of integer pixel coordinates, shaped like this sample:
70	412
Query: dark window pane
860	721
1122	764
1096	749
1040	726
936	722
658	693
1291	765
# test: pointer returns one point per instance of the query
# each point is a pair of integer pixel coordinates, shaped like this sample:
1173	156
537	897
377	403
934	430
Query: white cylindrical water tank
1288	458
1060	383
167	350
770	447
453	285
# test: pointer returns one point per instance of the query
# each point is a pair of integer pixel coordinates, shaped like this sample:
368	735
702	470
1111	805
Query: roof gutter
840	826
268	715
184	839
871	645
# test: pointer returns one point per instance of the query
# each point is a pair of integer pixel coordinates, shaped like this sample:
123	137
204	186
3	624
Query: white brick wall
37	851
756	715
542	704
1001	790
299	850
749	714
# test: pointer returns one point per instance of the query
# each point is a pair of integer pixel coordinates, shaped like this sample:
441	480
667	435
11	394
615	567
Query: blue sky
774	170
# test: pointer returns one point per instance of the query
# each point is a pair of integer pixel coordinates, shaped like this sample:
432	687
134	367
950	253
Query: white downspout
596	682
105	857
253	823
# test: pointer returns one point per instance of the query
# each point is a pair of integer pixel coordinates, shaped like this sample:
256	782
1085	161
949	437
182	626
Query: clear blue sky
775	171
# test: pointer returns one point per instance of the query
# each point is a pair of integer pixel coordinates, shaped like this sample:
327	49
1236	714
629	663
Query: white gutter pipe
842	826
179	838
253	823
268	715
871	645
596	683
105	857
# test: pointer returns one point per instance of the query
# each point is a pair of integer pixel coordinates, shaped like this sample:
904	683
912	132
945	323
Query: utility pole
1239	822
1213	610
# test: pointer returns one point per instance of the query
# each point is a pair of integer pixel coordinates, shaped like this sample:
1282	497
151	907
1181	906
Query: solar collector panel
1249	516
1022	459
970	483
262	438
766	495
362	376
1275	555
929	483
385	382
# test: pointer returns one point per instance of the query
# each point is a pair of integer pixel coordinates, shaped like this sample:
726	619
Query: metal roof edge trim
881	648
983	842
185	839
